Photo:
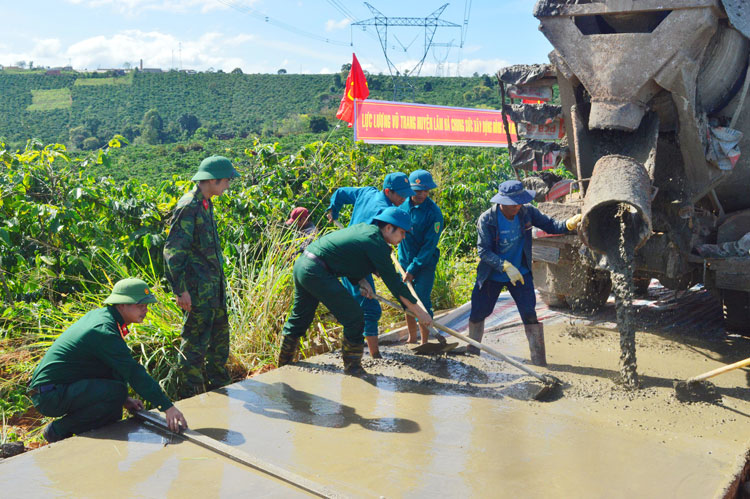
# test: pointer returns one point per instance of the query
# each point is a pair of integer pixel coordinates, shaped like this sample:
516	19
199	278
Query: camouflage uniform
194	263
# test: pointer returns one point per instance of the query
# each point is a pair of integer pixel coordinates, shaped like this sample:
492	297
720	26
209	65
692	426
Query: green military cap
215	167
129	291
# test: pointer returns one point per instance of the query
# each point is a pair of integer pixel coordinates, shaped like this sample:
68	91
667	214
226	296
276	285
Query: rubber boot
289	347
351	354
535	335
50	435
476	331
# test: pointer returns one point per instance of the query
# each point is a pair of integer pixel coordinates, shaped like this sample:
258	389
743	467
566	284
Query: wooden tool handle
481	346
721	370
241	457
413	291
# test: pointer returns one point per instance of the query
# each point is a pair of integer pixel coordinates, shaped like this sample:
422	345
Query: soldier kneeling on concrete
504	247
354	253
84	376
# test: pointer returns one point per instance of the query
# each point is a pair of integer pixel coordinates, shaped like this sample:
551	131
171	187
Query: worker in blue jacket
504	248
418	253
368	203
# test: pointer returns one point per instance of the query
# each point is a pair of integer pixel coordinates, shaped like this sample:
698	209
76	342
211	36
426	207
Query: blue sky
225	34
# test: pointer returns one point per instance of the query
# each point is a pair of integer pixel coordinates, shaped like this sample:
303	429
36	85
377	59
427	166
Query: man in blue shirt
368	203
418	253
504	247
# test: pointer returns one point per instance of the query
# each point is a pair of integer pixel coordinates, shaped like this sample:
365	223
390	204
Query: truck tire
641	285
590	293
553	300
736	305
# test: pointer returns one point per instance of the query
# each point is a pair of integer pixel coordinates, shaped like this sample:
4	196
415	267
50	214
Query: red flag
356	88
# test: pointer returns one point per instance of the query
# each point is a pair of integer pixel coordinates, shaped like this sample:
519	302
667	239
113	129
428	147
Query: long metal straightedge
241	457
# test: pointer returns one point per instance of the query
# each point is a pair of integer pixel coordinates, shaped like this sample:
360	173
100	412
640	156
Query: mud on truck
654	117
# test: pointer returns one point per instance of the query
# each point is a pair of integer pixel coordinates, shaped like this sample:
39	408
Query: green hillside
218	105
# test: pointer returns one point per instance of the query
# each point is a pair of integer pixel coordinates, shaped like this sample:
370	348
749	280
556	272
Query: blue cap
395	216
399	183
512	192
421	180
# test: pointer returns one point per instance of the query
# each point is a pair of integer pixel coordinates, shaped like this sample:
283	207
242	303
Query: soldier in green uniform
84	376
353	253
194	265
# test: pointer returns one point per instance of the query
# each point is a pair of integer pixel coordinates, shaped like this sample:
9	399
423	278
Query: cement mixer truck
656	117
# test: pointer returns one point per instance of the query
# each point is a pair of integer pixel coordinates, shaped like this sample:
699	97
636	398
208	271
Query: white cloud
136	7
467	67
332	25
156	49
49	47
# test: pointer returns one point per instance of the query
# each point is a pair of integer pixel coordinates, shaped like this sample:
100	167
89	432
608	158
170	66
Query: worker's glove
513	274
573	222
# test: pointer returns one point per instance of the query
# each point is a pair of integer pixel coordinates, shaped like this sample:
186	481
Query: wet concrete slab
455	426
129	460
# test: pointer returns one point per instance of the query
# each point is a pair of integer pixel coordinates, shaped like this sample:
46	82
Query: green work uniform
84	376
194	263
354	253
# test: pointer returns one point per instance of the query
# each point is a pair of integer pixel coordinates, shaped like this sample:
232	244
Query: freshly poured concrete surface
128	460
417	426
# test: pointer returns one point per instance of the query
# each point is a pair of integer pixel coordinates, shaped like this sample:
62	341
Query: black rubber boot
535	335
289	347
351	354
50	435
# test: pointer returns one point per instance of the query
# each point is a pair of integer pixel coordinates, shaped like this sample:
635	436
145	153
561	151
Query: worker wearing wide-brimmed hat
504	247
418	253
369	202
352	254
194	269
84	376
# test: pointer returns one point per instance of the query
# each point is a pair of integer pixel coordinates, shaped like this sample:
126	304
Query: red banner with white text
383	122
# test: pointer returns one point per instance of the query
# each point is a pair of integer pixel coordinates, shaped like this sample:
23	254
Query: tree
337	83
189	122
318	124
281	71
91	143
237	71
487	81
152	126
77	136
21	64
427	86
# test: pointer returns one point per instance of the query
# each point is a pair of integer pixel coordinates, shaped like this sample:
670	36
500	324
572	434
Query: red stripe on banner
383	122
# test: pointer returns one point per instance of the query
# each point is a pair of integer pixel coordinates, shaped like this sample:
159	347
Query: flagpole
354	122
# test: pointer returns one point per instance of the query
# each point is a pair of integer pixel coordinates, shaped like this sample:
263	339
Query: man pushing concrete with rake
352	253
369	202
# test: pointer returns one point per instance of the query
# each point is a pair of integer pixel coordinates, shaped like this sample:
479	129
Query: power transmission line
430	24
464	30
280	24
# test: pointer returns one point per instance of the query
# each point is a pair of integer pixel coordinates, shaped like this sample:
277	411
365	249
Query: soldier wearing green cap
369	202
352	253
84	376
194	268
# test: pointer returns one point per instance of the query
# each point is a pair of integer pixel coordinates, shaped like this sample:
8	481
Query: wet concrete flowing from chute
620	263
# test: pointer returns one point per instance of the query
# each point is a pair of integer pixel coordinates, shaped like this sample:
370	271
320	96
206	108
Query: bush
90	143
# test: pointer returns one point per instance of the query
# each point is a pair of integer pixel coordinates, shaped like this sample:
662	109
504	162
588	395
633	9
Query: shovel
551	386
696	389
427	348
